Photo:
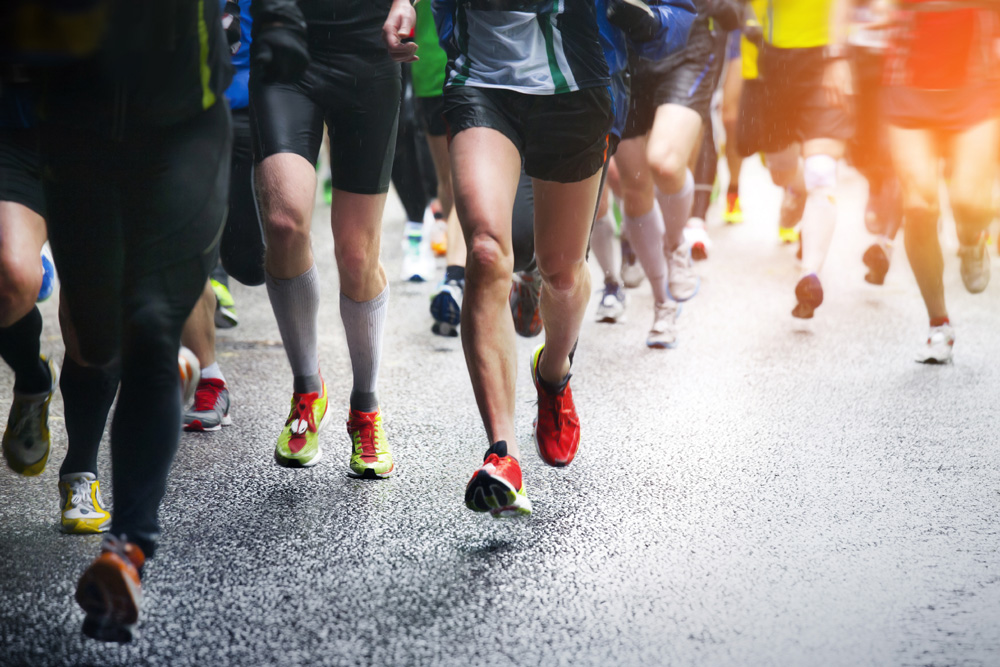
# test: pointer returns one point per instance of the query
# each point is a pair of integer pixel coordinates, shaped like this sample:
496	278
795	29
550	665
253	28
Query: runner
732	88
353	84
942	103
510	101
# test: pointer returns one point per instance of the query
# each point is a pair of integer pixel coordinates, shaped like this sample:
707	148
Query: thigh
676	134
564	215
916	155
361	97
286	117
972	164
485	169
566	135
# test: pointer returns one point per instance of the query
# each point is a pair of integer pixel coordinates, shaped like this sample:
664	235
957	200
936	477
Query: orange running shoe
557	427
110	592
734	213
497	486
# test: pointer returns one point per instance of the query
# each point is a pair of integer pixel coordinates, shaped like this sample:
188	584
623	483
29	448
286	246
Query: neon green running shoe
371	457
225	306
298	444
26	440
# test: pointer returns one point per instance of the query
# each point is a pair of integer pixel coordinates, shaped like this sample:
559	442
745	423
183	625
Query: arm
675	18
278	48
398	27
837	77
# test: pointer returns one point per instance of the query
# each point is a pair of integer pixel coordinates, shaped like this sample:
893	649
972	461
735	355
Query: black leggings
413	173
134	226
242	247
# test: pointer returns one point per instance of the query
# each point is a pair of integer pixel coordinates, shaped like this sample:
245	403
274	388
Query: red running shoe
557	428
110	592
497	486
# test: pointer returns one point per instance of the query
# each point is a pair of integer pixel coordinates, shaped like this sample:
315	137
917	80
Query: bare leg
199	330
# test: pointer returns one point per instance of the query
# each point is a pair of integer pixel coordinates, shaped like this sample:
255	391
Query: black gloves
634	18
231	25
279	49
727	13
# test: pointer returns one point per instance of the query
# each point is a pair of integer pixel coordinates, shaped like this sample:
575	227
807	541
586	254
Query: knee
20	282
921	212
285	228
972	207
354	261
488	258
561	274
820	173
668	166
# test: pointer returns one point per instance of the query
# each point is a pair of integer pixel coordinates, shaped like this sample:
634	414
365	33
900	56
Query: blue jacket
237	93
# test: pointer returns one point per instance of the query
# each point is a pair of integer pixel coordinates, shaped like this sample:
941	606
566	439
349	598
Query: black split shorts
20	168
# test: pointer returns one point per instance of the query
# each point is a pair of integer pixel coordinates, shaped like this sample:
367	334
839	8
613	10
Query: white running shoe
611	308
189	369
83	510
940	342
682	281
975	267
632	273
663	334
418	258
696	236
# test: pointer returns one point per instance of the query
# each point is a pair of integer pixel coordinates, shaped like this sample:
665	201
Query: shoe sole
197	427
661	346
445	310
369	473
32	470
934	361
484	487
110	600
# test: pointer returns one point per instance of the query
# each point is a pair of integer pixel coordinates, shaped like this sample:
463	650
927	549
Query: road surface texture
771	492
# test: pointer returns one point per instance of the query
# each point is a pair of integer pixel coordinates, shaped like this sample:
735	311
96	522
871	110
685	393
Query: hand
634	18
231	26
397	28
837	82
279	51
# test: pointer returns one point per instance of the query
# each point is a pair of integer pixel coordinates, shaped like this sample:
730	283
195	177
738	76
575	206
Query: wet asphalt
771	492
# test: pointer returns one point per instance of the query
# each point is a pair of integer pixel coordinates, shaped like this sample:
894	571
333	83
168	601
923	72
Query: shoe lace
80	493
302	411
206	395
361	427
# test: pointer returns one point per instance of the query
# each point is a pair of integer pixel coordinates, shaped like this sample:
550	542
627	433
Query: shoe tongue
499	448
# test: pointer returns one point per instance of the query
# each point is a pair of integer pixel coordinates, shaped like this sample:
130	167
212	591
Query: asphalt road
771	492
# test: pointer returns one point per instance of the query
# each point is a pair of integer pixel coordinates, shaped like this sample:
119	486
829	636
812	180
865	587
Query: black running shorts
561	138
20	169
687	78
356	95
792	102
944	110
431	113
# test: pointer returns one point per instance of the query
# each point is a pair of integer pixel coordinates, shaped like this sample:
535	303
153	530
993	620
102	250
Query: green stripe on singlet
463	46
550	50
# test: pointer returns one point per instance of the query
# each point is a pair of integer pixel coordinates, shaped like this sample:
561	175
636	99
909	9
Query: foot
497	486
975	266
446	308
83	511
696	237
557	427
418	258
876	258
809	293
611	308
682	281
298	444
371	458
733	214
225	306
110	591
26	439
189	369
210	411
663	333
938	348
632	273
525	299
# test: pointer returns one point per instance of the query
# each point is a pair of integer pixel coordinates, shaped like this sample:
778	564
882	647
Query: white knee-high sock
602	241
676	210
295	303
364	323
645	233
820	215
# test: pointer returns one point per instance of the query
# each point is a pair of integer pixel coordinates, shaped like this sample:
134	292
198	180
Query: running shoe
696	237
439	237
611	308
682	281
557	427
210	411
328	189
497	486
663	333
975	266
525	299
371	457
788	235
110	591
809	293
940	342
26	439
49	278
225	306
298	444
632	273
189	369
733	214
876	258
418	258
83	511
446	308
793	205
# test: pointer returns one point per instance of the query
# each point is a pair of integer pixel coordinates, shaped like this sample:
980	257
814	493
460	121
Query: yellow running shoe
298	444
83	510
26	440
788	235
733	214
371	457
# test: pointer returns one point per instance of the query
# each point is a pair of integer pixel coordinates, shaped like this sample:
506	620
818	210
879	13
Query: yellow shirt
796	24
748	51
